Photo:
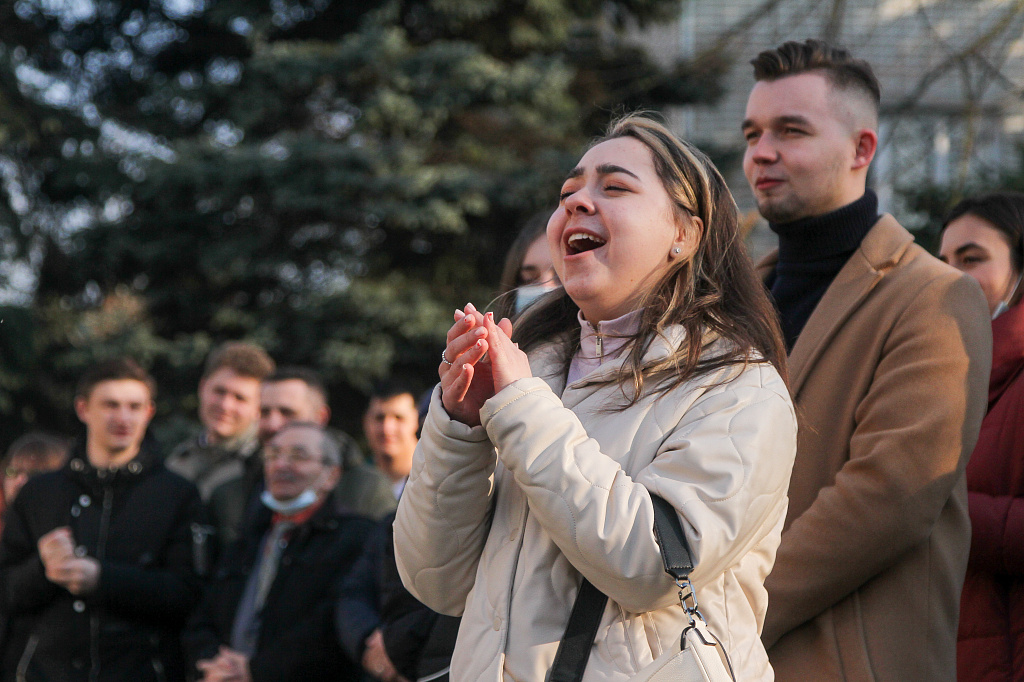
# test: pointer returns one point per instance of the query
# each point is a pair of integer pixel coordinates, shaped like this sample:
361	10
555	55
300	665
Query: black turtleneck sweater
812	251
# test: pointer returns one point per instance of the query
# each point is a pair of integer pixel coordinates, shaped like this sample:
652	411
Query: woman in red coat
983	237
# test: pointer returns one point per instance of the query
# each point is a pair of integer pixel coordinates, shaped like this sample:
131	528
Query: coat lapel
881	248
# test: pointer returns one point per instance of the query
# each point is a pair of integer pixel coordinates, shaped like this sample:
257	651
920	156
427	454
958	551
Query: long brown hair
714	294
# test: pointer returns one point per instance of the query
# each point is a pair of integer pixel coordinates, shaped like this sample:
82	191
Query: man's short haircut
843	71
114	370
329	448
391	388
43	449
244	359
306	375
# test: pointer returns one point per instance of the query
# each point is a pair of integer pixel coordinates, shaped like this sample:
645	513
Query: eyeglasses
298	456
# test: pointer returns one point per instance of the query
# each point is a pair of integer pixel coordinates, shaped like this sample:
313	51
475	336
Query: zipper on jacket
598	341
200	559
101	552
26	658
523	516
158	665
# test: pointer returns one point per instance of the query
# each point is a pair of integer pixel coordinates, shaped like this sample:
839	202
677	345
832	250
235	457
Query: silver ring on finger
444	358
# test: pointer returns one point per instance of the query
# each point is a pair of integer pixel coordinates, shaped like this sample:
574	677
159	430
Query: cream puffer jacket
497	522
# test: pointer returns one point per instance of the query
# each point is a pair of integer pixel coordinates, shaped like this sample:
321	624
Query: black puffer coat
418	641
143	524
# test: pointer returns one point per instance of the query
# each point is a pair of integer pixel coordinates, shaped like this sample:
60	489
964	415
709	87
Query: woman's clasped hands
479	360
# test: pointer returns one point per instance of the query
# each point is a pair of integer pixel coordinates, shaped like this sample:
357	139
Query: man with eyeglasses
268	611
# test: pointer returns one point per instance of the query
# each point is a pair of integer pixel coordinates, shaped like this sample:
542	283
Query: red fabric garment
990	644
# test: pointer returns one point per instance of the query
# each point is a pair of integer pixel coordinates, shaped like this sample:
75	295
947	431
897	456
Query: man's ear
323	415
80	405
866	145
333	477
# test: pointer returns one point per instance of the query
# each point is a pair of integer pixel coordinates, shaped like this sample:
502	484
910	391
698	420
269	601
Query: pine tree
326	178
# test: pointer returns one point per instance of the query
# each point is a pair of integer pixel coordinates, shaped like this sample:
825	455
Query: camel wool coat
890	380
497	522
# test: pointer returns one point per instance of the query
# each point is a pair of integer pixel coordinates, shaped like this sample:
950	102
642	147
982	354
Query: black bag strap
675	551
574	649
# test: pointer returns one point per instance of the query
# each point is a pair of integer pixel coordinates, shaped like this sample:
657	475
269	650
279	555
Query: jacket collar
80	469
241	446
548	363
1007	351
882	247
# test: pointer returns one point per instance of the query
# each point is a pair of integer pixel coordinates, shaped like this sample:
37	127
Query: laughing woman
659	371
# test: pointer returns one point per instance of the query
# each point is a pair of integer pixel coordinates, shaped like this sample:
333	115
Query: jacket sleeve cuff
449	429
512	393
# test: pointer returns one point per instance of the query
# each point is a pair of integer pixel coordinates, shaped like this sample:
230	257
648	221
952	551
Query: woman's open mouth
580	242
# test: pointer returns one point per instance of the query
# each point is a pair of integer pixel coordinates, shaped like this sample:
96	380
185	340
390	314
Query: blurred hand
376	661
227	666
56	546
78	575
466	383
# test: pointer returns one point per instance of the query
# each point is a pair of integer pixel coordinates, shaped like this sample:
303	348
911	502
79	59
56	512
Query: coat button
85	500
497	623
134	467
77	465
76	511
78	606
81	551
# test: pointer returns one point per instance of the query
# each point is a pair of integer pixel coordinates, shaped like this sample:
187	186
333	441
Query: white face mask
528	293
303	501
1004	304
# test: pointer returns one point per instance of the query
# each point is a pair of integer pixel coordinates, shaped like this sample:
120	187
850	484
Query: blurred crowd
259	549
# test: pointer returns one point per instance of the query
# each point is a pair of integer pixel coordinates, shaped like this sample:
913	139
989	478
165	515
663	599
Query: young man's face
390	425
116	414
229	403
802	148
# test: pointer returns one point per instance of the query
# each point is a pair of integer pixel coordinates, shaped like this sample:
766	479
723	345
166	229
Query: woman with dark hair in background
984	237
528	273
657	372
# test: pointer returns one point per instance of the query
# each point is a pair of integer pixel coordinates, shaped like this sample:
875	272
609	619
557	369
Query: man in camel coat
889	359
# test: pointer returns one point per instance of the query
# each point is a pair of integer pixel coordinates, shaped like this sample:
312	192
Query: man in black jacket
394	636
267	613
98	562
